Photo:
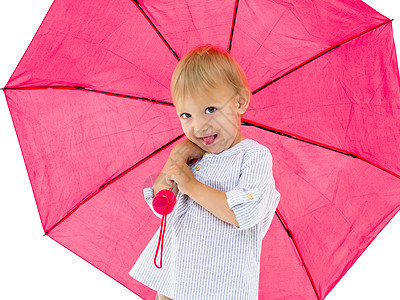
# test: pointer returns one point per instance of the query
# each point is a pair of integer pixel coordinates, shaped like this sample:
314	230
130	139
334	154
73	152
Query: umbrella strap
163	222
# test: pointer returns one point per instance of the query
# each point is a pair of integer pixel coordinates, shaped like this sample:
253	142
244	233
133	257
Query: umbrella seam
291	236
318	55
155	28
233	25
111	181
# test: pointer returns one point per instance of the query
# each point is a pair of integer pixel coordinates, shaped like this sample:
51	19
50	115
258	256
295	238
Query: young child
225	200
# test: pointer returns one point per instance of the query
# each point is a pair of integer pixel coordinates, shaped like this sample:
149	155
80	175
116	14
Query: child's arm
202	194
252	200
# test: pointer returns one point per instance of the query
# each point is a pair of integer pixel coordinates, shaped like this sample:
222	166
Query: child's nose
201	127
198	124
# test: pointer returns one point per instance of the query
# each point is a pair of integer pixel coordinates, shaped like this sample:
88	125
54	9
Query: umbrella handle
171	202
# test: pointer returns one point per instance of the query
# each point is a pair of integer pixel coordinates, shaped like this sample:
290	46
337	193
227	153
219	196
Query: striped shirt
204	257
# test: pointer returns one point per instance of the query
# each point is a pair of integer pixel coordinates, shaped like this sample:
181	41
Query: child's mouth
209	139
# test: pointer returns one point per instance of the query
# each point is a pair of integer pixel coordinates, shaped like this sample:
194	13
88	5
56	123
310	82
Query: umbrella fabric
92	110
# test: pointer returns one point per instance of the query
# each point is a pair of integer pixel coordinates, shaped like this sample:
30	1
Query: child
225	200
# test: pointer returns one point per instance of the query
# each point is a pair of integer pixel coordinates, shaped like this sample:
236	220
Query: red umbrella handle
163	203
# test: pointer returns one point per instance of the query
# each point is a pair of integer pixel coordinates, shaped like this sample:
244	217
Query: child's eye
184	114
213	109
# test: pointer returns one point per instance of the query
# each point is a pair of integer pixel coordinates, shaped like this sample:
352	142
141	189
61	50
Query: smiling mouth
209	139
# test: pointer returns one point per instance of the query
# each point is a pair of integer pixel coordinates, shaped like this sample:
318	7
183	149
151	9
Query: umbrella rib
318	55
246	122
233	25
88	90
155	28
113	180
278	214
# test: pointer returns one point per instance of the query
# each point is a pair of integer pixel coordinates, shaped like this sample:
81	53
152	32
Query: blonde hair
204	69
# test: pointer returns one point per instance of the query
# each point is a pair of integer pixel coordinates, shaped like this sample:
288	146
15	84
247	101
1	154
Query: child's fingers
169	180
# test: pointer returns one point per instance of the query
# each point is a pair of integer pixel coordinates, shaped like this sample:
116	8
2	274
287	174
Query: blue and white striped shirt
204	257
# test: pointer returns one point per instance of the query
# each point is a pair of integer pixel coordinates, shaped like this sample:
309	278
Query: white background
34	266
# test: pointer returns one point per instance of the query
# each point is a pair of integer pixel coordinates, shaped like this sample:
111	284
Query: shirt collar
232	150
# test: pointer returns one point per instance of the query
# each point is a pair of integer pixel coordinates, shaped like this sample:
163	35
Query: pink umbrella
80	98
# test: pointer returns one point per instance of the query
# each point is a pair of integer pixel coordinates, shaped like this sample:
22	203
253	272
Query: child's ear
242	104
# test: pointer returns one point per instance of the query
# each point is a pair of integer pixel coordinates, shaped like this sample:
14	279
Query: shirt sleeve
254	198
149	196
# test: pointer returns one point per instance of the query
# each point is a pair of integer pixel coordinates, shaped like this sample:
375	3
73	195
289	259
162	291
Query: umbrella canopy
96	103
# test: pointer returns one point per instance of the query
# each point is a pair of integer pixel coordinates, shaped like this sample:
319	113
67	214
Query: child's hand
188	150
182	174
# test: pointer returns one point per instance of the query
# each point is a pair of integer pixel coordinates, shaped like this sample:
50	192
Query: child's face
202	116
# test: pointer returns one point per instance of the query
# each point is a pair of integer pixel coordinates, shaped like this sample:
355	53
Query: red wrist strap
163	220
